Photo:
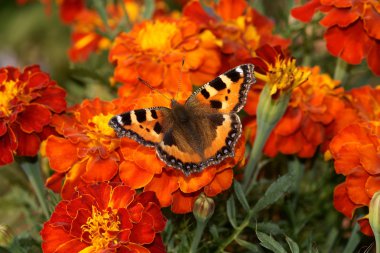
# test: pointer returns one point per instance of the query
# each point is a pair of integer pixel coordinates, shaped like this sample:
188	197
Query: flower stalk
269	112
203	210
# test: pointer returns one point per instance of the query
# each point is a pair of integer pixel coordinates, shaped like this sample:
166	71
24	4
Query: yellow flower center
8	91
157	35
284	76
100	124
103	228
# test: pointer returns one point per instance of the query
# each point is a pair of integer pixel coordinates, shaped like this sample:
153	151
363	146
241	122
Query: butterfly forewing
143	125
228	92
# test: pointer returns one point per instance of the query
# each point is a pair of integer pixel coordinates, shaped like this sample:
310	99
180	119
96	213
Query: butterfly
201	132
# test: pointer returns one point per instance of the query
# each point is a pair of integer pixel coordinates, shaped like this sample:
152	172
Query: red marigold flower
238	29
28	100
105	218
142	168
353	32
87	150
355	151
154	51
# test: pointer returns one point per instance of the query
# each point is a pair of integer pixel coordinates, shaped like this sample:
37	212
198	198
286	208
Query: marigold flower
28	100
238	29
87	25
355	151
352	28
87	150
154	51
142	168
105	218
313	116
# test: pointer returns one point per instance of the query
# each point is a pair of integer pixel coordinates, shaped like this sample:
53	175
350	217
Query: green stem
354	240
198	232
35	178
237	232
340	69
252	170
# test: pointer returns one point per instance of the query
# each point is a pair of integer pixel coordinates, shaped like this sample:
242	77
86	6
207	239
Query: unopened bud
203	207
374	213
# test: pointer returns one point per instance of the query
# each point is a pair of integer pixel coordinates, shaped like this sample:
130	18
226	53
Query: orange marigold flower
105	218
87	150
28	100
86	37
311	117
353	30
142	168
239	29
355	151
154	51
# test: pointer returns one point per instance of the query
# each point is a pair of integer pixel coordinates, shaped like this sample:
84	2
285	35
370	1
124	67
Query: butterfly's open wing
142	125
228	92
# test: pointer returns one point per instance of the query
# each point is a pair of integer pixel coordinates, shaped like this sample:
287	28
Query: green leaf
268	242
231	211
241	196
214	232
268	227
248	245
292	245
275	191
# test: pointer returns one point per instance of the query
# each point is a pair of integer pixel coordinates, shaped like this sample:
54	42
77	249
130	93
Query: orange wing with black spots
142	125
228	92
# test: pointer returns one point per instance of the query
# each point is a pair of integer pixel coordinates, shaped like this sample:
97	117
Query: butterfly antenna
180	77
150	87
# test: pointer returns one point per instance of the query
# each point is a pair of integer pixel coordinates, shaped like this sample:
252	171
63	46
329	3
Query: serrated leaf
239	192
248	245
292	245
267	227
231	211
275	191
268	242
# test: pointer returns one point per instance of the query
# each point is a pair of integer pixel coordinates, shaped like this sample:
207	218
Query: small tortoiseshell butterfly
199	133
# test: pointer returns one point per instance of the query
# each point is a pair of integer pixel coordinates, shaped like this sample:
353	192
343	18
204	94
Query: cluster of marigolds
97	174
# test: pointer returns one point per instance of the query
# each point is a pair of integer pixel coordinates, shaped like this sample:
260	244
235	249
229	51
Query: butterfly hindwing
228	92
226	129
142	125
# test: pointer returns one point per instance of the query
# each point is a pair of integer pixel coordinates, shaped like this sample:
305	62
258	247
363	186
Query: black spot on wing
205	93
140	115
157	128
216	104
125	119
154	114
218	84
233	75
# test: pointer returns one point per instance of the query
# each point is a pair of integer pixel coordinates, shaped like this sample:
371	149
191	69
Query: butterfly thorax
180	112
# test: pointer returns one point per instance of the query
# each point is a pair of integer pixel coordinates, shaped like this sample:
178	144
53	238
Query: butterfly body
194	135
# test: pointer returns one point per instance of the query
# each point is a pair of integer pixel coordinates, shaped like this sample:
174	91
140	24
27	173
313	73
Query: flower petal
62	153
342	202
133	176
221	182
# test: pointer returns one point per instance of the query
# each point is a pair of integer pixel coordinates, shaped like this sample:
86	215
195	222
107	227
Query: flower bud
374	213
203	207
